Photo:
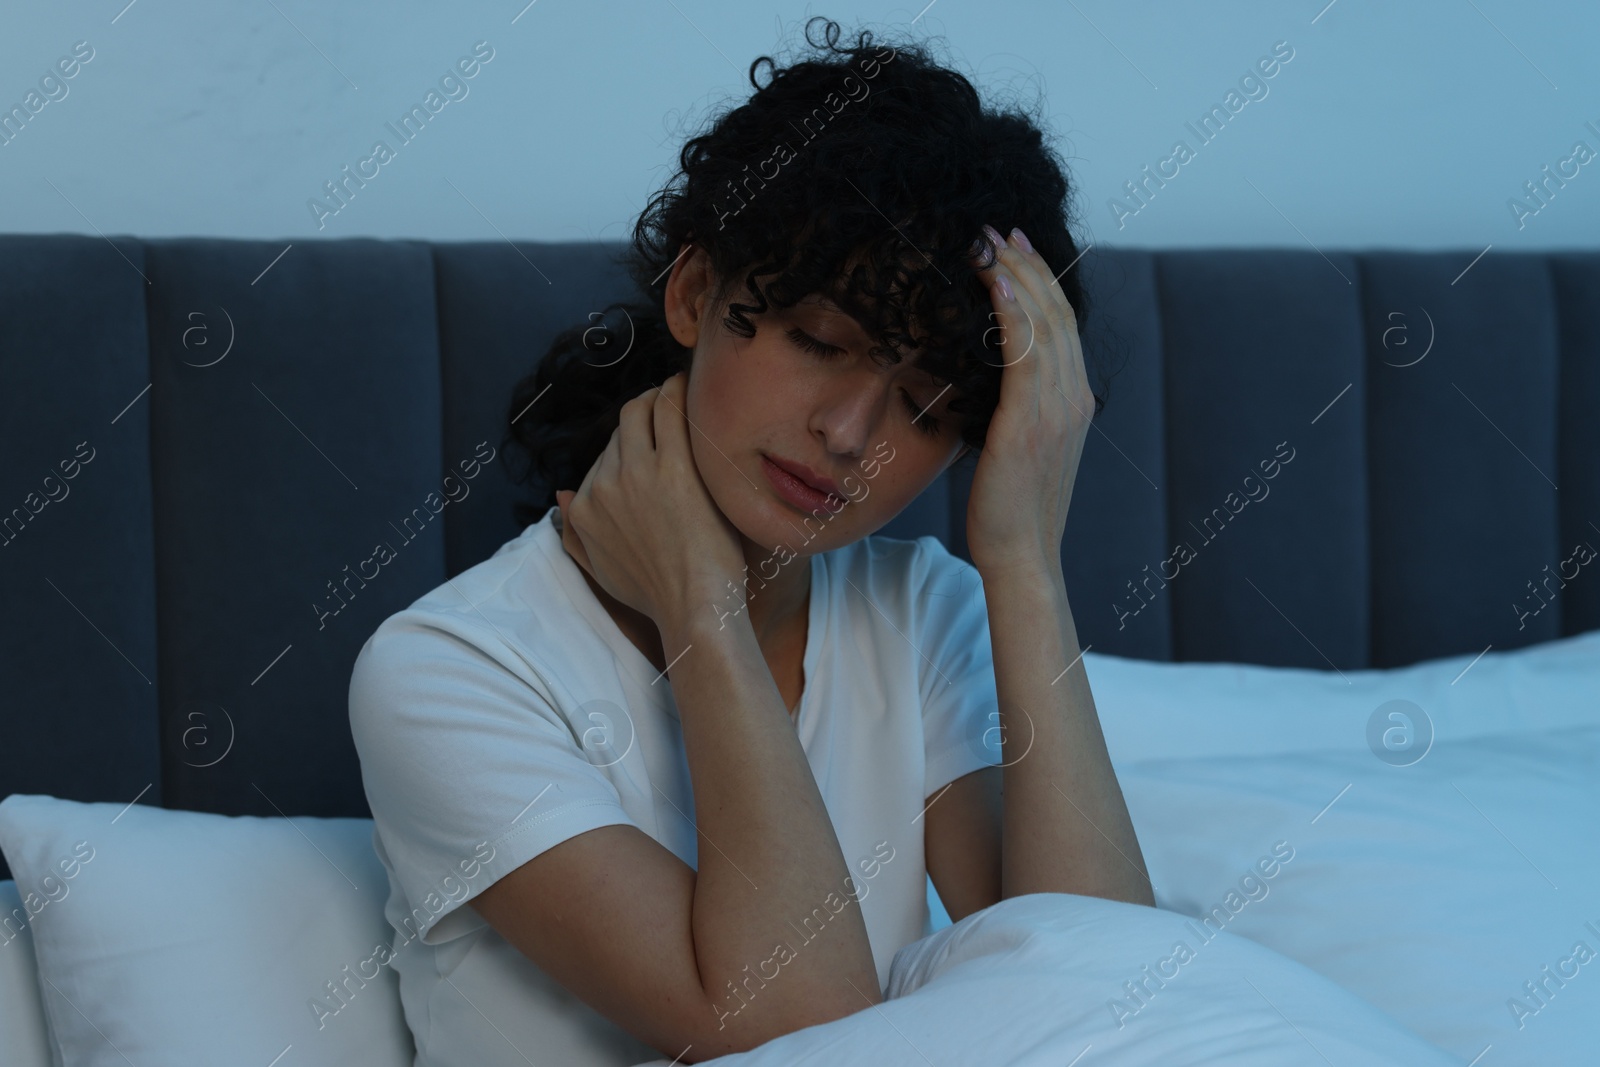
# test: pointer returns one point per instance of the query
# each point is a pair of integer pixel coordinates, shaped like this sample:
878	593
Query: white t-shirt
504	712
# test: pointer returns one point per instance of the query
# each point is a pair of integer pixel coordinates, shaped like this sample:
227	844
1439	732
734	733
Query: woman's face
835	412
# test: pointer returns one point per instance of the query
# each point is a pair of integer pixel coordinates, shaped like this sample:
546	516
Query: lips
805	474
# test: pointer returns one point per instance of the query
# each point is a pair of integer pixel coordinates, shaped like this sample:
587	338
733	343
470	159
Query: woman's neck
776	609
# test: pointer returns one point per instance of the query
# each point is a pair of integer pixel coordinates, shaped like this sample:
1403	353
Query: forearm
770	871
1065	825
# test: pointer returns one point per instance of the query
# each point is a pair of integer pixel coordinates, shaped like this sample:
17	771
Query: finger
564	508
1042	342
1007	312
1029	268
671	420
1023	378
1035	274
601	471
569	531
637	431
606	466
1037	277
987	274
1055	327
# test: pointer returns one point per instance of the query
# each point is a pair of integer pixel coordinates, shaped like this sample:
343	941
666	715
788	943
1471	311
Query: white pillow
1033	980
181	938
1154	710
27	1042
1434	890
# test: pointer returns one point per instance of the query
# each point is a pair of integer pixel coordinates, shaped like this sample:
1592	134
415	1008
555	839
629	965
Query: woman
586	734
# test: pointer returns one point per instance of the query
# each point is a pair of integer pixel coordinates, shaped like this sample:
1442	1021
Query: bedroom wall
1412	126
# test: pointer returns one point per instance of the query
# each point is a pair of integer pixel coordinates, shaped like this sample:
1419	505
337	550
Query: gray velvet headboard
1339	460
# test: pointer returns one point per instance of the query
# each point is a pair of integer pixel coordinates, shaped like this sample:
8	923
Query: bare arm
770	864
653	944
961	838
1066	826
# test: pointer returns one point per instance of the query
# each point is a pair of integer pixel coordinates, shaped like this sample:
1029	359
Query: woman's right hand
643	524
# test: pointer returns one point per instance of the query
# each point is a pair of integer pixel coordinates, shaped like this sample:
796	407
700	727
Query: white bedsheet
1460	895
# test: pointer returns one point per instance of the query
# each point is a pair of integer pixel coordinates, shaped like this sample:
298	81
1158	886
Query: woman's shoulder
490	616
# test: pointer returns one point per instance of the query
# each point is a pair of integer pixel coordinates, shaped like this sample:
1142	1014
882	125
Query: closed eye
924	422
811	344
921	419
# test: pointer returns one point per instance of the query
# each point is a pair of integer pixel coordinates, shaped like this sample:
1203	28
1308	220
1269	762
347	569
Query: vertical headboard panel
78	676
1266	457
1575	279
291	503
1461	451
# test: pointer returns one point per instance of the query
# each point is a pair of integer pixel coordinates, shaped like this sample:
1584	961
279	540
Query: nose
851	413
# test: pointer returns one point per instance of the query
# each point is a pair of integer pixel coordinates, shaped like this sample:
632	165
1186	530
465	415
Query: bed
1330	555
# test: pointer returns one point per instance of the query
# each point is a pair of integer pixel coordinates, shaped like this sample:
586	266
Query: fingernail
1005	287
1022	239
994	237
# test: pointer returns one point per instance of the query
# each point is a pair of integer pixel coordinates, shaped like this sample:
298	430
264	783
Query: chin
776	528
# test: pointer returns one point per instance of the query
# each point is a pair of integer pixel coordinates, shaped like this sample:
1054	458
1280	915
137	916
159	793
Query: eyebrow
818	302
827	303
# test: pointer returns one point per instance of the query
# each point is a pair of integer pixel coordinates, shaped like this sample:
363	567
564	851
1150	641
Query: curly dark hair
862	173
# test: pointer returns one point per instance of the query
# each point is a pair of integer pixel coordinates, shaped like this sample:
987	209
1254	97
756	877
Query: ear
687	294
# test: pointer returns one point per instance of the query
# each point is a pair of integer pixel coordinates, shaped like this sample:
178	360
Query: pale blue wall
1407	126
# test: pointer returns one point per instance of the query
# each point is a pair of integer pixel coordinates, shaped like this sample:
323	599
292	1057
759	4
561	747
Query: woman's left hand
1017	511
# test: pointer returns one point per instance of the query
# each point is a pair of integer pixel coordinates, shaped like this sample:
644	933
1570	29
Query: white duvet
1052	979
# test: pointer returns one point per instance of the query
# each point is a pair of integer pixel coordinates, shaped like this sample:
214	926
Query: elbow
861	997
727	1029
1140	891
730	1025
1126	891
1141	894
734	1025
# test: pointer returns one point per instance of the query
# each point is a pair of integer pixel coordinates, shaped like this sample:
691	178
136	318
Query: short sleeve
469	768
960	710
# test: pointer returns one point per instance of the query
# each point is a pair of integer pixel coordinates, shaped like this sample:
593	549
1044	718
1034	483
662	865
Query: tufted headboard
1325	460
